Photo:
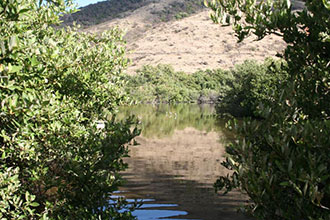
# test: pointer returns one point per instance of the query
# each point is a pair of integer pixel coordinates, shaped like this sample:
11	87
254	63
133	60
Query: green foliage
181	15
282	162
253	84
237	91
163	84
60	148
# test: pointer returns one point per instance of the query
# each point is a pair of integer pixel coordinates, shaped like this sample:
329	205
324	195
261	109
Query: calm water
178	160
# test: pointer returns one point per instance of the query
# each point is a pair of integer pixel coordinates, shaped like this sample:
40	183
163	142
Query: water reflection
163	119
177	162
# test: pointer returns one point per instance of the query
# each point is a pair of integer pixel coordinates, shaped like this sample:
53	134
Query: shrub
282	162
163	84
237	91
252	84
60	149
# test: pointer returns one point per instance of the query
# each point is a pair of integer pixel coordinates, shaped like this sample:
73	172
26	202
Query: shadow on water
178	160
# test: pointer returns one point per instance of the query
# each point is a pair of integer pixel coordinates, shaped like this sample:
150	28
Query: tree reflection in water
177	162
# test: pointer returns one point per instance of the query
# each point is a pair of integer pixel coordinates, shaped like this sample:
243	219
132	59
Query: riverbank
162	84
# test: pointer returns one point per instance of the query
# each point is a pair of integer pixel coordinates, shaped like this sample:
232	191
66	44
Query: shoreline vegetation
60	89
61	152
236	91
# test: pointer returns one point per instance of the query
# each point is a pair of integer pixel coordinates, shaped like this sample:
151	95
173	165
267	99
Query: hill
111	9
176	32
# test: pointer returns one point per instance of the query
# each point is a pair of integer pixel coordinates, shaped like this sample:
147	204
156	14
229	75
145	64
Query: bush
253	84
282	162
162	84
60	149
237	91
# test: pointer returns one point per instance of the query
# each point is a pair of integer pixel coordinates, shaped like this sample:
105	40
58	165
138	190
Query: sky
82	3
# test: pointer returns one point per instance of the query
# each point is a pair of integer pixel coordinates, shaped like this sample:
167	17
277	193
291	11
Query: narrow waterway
176	163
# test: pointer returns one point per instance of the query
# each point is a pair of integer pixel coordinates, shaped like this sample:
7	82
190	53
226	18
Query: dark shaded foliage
252	84
282	161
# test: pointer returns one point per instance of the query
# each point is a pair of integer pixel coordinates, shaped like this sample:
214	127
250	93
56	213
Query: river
176	163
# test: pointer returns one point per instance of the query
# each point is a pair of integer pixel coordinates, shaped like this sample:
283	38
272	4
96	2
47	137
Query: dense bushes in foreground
237	89
282	161
60	150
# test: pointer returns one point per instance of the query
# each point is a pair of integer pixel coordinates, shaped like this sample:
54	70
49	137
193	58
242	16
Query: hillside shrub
282	162
60	149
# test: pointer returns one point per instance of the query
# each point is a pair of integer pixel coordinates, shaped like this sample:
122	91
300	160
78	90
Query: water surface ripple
177	162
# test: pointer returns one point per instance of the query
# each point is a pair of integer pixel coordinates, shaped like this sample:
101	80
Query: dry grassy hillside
180	33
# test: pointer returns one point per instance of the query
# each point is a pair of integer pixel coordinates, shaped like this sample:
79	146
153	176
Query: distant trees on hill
111	9
102	11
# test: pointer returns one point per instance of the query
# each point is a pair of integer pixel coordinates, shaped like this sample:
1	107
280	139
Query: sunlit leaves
54	84
326	4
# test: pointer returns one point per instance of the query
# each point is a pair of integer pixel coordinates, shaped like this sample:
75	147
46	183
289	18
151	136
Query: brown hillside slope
188	44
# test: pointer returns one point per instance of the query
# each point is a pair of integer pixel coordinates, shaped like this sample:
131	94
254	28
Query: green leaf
298	190
13	101
13	42
24	10
34	204
3	47
290	166
206	3
288	3
14	69
305	188
326	4
27	196
34	61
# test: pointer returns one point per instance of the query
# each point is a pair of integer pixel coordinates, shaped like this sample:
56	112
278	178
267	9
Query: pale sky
82	3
